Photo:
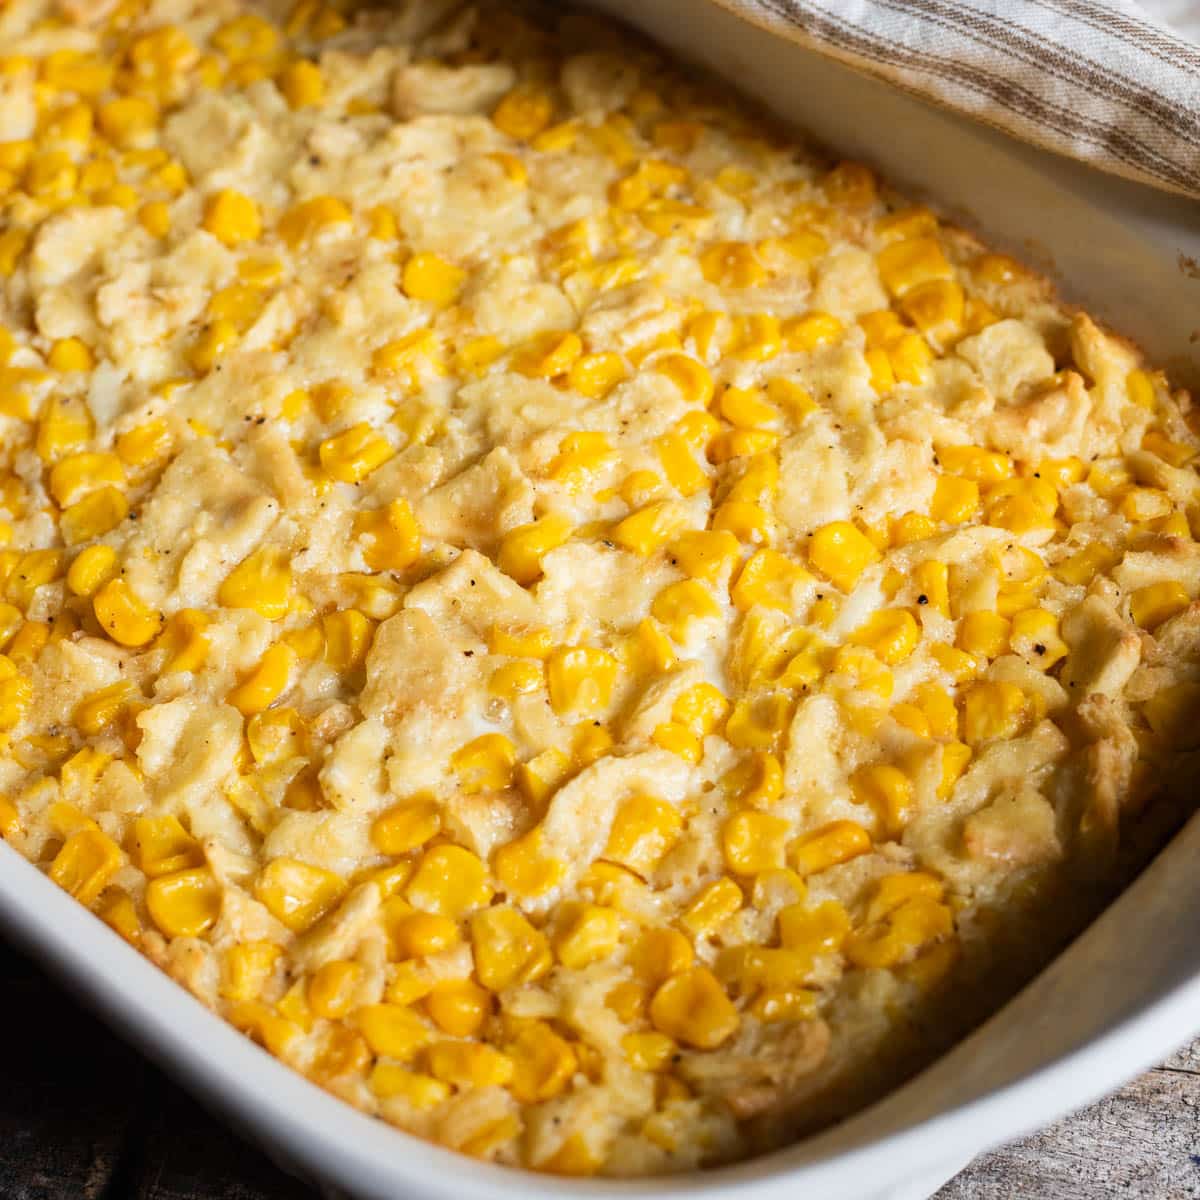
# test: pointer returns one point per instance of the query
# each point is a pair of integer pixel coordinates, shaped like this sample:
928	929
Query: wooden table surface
84	1117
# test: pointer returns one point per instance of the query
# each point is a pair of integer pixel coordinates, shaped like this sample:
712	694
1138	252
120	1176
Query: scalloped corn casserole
595	635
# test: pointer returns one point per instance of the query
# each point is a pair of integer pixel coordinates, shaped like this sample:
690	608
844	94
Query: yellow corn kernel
394	539
184	639
754	841
96	514
297	893
648	1051
814	932
520	643
469	1064
643	830
15	694
143	444
347	634
431	278
756	338
262	581
124	616
351	456
984	634
746	521
508	950
891	634
449	880
958	664
975	463
692	1008
660	953
97	711
759	722
302	84
64	426
732	264
85	864
543	1064
523	868
51	175
91	569
393	1030
595	375
539	777
1022	505
11	621
406	826
711	907
841	553
266	682
679	464
678	739
936	307
992	710
70	354
548	356
388	1081
937	705
246	969
516	679
1035	636
184	903
419	934
888	791
904	265
27	572
1155	603
955	756
932	579
304	221
12	246
1139	387
217	339
332	987
585	933
155	218
1081	568
74	477
232	217
581	680
458	1007
29	642
704	553
692	378
484	764
649	528
911	527
522	549
955	499
811	331
828	846
523	113
678	605
769	579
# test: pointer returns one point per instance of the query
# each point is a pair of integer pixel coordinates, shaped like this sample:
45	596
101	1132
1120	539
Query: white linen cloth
1108	83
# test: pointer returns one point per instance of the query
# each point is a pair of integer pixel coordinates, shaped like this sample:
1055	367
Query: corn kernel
581	680
449	880
712	906
753	842
85	864
523	113
992	710
888	791
332	988
389	1081
678	605
841	553
123	615
1155	603
406	826
309	218
692	1008
458	1007
484	764
523	868
393	1030
955	499
585	933
984	634
185	903
297	893
508	949
522	549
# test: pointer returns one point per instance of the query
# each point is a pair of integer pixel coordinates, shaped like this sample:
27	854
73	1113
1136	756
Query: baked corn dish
596	635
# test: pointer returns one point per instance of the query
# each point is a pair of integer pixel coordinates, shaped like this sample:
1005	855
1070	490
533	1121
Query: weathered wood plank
1143	1142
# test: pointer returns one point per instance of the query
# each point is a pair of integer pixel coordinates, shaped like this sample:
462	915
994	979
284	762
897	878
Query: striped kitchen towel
1102	82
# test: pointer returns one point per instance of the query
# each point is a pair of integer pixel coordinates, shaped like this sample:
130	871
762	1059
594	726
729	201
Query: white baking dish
1123	996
